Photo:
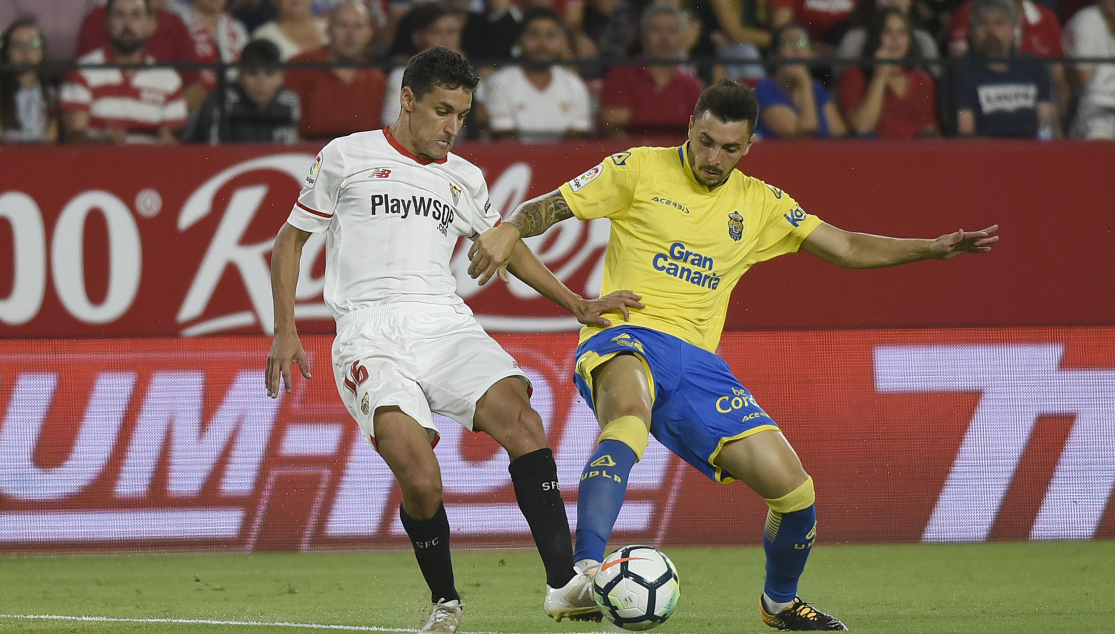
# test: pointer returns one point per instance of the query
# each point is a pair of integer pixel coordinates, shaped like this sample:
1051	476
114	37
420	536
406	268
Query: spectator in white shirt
539	101
296	30
1091	33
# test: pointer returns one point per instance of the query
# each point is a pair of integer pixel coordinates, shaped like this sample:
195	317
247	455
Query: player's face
129	25
436	118
715	147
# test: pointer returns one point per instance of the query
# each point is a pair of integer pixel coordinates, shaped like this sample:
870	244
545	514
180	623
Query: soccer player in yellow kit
685	226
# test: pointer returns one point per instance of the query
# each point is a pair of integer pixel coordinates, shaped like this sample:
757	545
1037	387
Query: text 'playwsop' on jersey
391	220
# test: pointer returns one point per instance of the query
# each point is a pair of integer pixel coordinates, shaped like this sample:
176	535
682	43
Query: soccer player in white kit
392	204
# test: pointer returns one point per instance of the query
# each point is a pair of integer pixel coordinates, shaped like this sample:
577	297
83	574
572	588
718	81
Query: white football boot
445	619
575	599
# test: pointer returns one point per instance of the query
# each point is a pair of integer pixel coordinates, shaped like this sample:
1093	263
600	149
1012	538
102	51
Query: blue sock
788	539
600	496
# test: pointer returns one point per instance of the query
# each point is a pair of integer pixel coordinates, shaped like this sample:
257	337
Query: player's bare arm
524	265
492	250
286	349
865	251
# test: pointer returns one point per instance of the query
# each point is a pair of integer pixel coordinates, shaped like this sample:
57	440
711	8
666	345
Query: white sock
585	564
774	607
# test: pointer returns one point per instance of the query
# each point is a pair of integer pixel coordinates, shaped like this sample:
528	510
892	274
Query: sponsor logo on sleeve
311	178
620	159
774	190
584	179
796	216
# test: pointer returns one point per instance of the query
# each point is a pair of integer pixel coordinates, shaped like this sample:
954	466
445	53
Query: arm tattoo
536	216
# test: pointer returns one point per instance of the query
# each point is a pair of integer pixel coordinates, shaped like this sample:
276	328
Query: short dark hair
109	3
261	54
439	66
539	13
729	101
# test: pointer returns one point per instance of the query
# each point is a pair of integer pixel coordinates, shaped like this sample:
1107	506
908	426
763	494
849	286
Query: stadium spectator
607	28
1091	33
1001	92
1038	34
253	13
339	101
792	103
255	108
117	106
541	100
823	20
296	30
170	41
492	32
429	25
425	25
28	102
217	36
851	45
652	100
742	32
58	21
894	100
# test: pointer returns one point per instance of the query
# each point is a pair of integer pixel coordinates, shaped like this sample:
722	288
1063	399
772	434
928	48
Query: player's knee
799	498
629	430
421	495
626	405
525	433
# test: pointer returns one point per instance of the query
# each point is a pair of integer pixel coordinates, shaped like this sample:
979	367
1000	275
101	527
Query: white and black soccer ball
637	587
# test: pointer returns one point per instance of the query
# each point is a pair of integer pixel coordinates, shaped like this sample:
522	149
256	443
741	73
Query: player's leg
767	463
405	446
469	377
623	401
504	413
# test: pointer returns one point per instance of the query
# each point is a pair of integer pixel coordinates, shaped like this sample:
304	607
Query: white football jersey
391	220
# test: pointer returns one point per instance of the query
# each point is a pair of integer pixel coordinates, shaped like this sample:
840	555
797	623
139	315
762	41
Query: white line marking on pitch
309	626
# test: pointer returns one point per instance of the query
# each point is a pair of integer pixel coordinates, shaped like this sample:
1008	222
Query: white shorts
421	358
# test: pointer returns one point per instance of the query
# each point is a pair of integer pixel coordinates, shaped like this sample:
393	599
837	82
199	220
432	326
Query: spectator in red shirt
652	100
340	101
819	17
108	105
1039	34
891	101
170	41
218	37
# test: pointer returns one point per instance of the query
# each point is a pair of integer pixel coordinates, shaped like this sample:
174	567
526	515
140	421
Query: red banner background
171	443
149	241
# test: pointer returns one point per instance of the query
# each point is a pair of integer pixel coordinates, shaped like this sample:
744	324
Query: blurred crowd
554	69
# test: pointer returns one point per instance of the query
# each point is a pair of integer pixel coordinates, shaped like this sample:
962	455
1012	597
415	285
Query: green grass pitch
897	589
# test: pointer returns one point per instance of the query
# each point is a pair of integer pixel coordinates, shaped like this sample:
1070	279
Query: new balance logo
603	461
381	172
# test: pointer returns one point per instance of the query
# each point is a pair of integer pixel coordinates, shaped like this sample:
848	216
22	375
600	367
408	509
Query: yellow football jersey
679	245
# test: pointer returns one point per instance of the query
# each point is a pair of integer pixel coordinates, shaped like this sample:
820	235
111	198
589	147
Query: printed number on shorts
355	377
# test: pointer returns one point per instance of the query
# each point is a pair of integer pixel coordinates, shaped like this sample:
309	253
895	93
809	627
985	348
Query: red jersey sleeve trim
316	213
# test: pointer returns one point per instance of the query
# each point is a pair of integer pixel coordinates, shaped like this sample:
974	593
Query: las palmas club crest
735	226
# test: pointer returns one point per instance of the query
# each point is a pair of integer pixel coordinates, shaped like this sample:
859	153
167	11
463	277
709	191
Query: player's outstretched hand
589	311
285	351
490	252
951	245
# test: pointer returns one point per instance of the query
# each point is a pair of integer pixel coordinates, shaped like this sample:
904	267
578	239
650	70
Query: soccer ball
637	587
